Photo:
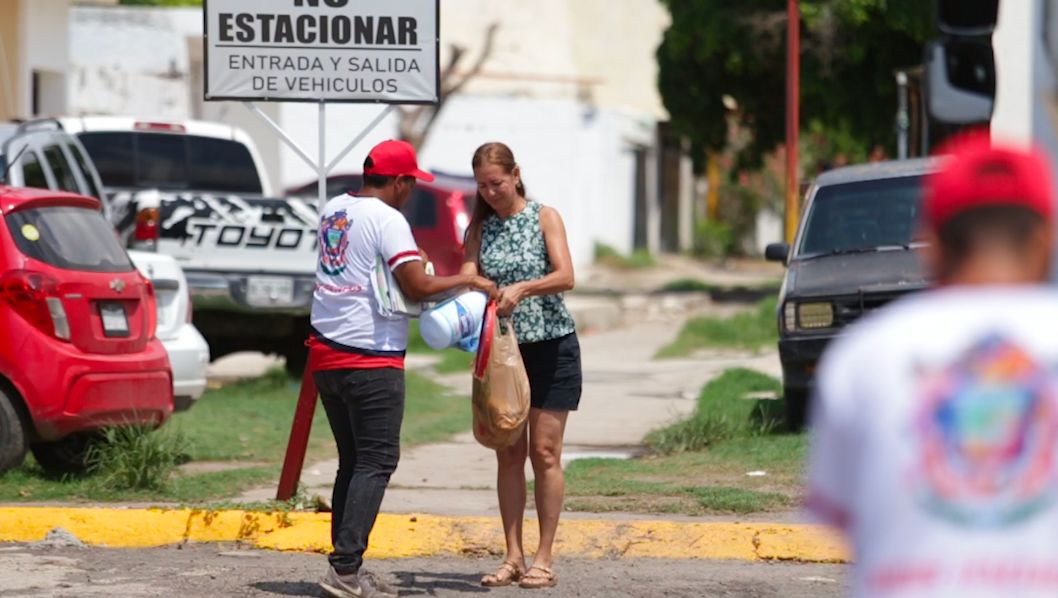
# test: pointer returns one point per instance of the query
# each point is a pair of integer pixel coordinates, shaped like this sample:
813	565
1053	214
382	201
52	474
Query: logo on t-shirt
988	433
334	239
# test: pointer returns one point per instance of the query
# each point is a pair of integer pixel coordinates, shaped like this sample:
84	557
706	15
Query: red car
439	214
78	350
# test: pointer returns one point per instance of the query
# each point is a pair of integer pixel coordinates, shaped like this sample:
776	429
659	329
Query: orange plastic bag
500	398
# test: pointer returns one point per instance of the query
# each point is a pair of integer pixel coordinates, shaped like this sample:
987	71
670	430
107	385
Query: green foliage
136	457
850	48
749	330
713	239
724	412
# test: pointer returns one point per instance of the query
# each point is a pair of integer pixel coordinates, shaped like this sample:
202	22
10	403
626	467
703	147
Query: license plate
115	322
267	291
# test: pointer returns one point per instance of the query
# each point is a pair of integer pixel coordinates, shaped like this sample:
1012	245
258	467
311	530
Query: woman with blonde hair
521	246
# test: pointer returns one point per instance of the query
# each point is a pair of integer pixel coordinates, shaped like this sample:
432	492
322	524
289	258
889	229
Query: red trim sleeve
403	255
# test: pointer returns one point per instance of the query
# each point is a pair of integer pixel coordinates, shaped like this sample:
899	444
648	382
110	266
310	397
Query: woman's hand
509	298
483	284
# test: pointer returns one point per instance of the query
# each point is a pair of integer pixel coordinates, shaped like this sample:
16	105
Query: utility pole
793	76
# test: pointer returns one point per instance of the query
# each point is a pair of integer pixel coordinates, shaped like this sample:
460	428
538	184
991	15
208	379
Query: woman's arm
471	251
559	280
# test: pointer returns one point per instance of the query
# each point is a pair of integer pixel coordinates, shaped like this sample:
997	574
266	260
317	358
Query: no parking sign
382	51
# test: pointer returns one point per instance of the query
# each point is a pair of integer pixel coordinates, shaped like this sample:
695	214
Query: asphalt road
227	570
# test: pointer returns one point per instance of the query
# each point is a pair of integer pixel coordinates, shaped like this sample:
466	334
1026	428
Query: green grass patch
249	421
30	483
608	256
136	457
699	465
694	285
688	285
694	483
245	426
725	412
431	412
750	330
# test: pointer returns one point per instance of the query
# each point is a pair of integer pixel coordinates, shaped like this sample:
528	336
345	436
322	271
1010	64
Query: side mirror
960	81
777	252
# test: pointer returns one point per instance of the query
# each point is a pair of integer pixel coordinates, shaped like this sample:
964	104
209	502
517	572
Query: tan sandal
507	574
545	579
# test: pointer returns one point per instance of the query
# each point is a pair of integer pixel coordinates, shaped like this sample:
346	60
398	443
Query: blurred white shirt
935	444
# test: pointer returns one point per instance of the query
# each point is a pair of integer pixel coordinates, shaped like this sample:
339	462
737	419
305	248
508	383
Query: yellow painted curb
400	536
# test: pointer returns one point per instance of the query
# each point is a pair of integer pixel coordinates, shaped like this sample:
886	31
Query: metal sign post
320	51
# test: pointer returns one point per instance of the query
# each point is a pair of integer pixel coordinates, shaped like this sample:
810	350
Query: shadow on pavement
289	588
425	583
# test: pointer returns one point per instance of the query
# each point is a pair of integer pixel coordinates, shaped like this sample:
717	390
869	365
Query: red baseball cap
396	158
976	173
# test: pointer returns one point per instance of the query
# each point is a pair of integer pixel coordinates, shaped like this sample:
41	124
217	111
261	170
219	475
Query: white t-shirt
935	443
354	232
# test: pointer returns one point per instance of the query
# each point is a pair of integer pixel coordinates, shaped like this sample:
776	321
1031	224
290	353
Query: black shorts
554	373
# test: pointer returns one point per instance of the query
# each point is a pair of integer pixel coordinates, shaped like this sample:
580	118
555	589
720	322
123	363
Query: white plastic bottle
453	321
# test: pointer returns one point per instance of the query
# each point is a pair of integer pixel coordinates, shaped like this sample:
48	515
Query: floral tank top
513	250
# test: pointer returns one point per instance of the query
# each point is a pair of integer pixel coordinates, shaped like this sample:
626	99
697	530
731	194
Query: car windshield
171	161
863	216
69	238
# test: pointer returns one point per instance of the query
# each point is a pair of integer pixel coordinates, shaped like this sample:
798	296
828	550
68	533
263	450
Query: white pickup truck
196	191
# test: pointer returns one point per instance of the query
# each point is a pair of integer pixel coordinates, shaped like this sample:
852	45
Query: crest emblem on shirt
988	434
334	239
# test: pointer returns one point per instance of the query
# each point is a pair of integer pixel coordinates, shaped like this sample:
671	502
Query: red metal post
793	92
299	438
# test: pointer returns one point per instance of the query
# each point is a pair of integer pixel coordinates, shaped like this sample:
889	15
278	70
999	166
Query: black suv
853	253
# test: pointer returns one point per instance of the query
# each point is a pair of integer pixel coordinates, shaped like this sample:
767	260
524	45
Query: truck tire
69	455
12	434
796	403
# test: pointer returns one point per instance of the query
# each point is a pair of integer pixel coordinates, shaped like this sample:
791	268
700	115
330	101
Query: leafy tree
737	48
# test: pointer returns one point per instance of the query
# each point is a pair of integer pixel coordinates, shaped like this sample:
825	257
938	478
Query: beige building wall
34	61
11	81
563	49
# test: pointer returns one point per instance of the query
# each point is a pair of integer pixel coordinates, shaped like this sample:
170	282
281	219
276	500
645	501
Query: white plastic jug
456	321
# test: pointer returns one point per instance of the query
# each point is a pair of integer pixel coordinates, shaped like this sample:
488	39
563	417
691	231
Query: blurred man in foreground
936	420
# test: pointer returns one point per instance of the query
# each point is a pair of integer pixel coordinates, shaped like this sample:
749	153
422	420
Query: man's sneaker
374	586
355	585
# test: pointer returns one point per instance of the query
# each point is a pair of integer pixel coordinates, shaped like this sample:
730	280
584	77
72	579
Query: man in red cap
356	351
935	421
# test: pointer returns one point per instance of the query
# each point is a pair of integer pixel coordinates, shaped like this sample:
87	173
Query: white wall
573	157
45	52
1026	81
595	51
1012	117
132	60
576	146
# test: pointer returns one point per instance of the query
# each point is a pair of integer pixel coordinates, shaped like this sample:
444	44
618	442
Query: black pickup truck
853	253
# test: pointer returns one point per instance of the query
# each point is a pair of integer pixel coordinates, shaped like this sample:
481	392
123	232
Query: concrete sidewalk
626	395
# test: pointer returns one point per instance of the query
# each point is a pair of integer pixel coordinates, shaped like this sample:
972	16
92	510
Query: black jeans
365	409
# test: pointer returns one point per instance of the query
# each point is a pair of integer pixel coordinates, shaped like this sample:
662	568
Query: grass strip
750	330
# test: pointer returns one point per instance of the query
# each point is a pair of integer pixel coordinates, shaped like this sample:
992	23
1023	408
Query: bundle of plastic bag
500	398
